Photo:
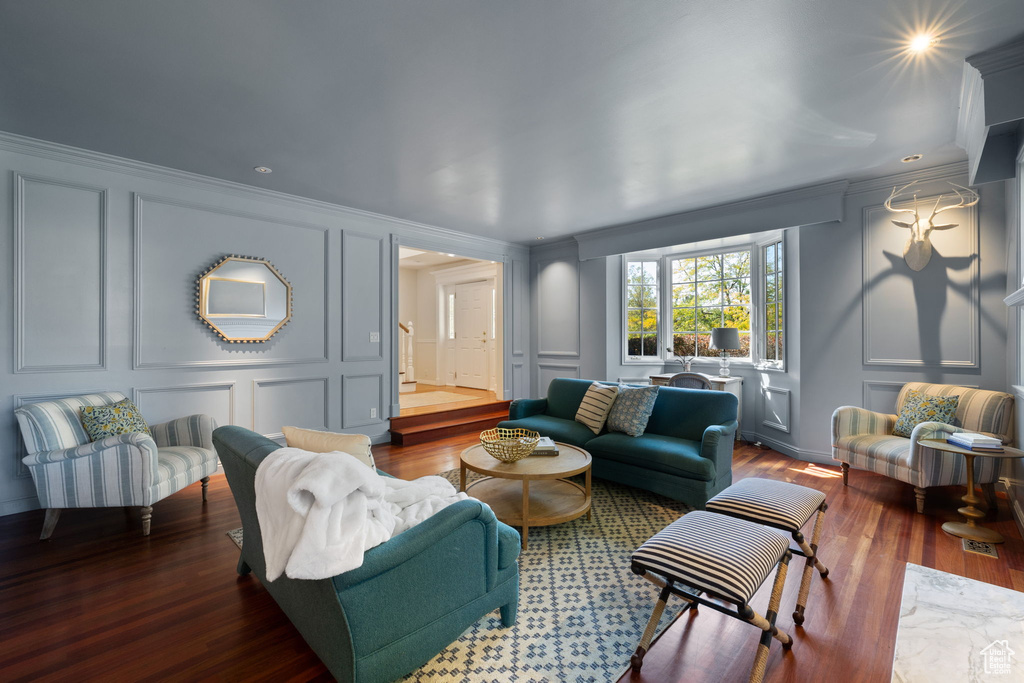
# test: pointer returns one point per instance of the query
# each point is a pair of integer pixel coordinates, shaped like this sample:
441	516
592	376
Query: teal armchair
412	596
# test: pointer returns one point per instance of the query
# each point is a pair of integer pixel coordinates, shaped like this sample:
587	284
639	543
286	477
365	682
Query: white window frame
755	246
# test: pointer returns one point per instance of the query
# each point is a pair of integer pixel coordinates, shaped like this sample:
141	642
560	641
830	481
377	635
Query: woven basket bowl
509	445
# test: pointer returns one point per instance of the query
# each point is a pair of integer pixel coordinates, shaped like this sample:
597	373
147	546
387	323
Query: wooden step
407	431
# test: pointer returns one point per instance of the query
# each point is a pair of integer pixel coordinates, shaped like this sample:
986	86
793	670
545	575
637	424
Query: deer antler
967	198
896	192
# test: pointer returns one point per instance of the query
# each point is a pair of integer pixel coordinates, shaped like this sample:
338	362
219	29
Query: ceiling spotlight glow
263	169
912	158
922	42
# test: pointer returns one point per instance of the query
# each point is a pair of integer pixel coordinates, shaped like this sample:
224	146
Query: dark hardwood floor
100	602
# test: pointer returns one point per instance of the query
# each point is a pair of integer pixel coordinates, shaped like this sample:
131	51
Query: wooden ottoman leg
637	660
767	623
811	552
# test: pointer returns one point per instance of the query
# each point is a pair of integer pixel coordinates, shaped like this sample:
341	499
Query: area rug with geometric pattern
581	610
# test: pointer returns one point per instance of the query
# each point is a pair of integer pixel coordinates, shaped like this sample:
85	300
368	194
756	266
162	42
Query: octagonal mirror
243	299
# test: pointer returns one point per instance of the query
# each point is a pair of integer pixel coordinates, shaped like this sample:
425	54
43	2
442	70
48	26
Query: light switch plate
374	337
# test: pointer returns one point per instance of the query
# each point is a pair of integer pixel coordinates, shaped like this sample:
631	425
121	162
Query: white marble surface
953	629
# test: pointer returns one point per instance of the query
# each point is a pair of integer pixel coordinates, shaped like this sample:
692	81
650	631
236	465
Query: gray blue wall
103	256
860	324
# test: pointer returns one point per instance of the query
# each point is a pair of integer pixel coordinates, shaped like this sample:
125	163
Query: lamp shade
725	338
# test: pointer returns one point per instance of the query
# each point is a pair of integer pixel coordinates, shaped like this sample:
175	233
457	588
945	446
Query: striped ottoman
784	506
727	559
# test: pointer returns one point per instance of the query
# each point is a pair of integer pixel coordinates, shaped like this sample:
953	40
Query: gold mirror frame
221	320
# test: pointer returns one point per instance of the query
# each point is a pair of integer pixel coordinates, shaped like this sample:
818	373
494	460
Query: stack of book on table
976	442
546	446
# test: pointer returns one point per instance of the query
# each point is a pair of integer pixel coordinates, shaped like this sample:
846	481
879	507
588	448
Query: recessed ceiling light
263	169
540	238
912	158
451	255
922	42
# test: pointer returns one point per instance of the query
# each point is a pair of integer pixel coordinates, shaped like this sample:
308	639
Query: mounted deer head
918	249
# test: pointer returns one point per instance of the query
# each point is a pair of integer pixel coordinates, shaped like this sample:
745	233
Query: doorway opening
449	331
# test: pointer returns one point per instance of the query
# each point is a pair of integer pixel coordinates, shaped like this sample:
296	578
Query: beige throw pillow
327	442
596	404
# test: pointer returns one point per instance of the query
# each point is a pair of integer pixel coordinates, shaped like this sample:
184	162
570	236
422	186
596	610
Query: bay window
674	298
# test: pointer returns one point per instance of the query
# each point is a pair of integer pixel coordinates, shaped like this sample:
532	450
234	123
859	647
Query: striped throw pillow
596	405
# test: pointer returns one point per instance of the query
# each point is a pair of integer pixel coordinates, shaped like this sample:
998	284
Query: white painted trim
16	505
575	265
20	367
803	454
380	402
998	59
954	171
789	407
384	266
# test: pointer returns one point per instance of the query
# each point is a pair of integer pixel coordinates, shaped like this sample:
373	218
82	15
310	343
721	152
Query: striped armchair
70	471
864	439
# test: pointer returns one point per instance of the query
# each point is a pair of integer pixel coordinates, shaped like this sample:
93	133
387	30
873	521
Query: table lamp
725	339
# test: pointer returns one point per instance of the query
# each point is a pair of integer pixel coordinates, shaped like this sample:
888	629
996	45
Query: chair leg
846	474
206	483
147	517
919	493
50	521
990	497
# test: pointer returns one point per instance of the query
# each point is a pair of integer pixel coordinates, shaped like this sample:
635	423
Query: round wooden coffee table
532	491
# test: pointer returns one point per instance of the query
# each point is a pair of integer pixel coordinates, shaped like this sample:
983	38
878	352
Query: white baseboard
13	507
802	454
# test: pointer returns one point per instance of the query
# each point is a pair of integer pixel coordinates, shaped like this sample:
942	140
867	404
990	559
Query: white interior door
472	335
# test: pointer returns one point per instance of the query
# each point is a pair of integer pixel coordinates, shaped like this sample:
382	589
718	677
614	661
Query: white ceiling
507	119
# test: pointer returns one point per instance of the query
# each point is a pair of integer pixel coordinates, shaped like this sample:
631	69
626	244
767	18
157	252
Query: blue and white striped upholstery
132	469
721	555
766	501
864	439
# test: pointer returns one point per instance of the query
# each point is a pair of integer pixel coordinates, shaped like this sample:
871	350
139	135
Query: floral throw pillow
920	408
632	409
110	420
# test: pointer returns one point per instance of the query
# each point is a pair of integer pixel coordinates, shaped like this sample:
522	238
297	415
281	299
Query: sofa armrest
851	420
717	444
194	430
140	440
525	407
427	533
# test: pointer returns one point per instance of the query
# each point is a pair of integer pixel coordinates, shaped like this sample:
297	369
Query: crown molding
1008	56
957	169
20	144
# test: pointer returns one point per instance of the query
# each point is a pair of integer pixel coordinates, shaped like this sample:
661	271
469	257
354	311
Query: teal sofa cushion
564	398
678	457
565	430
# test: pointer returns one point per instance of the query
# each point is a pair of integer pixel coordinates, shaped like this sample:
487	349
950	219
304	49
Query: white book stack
975	441
546	446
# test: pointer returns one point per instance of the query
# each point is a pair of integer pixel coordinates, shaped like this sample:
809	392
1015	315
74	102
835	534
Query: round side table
969	528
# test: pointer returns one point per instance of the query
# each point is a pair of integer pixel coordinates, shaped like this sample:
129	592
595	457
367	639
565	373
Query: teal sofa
685	453
412	596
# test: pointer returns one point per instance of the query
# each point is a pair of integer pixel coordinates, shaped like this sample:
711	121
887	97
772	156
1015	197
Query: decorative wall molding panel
520	287
775	408
359	395
160	404
363	278
167	333
880	395
302	402
548	371
937	307
60	275
558	307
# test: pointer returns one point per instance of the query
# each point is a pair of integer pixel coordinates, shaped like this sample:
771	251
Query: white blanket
319	512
